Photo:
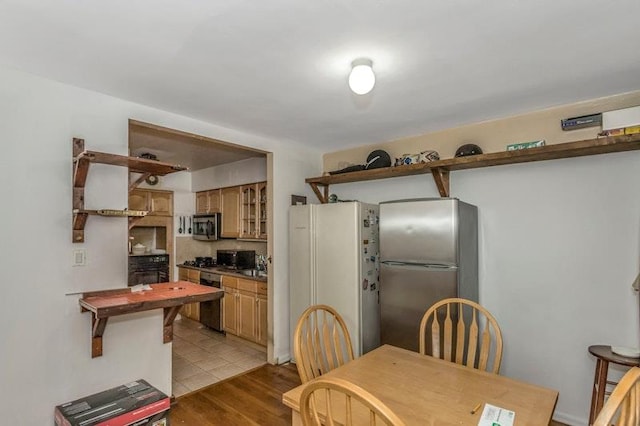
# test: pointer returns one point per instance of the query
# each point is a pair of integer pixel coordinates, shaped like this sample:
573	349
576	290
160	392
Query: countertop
123	301
224	271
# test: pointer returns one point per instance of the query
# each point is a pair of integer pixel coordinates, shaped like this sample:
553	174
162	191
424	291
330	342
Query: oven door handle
209	224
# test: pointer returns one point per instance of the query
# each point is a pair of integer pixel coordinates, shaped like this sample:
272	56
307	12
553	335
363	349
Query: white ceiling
278	68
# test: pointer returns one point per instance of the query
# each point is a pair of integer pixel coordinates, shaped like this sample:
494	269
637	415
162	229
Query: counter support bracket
97	330
169	316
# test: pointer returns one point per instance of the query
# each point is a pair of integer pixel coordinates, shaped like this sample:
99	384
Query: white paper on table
496	416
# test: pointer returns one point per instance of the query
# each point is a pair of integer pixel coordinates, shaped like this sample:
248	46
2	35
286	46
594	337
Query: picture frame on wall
298	200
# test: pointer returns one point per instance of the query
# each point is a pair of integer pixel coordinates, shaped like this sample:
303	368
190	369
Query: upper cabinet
156	202
230	204
243	209
208	201
253	211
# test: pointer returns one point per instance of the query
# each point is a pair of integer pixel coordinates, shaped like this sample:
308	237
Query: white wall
559	249
45	339
238	173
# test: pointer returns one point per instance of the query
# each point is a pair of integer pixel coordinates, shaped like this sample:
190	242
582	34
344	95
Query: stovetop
201	262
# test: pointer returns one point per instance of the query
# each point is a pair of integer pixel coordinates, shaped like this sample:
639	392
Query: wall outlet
79	257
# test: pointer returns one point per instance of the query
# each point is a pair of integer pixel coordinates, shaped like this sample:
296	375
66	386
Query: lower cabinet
191	310
230	305
261	316
245	309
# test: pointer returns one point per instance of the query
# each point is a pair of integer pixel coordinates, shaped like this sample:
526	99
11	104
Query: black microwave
206	226
236	259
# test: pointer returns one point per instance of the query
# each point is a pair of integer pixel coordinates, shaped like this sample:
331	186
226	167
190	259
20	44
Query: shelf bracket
80	171
79	221
322	196
169	316
134	185
441	178
133	220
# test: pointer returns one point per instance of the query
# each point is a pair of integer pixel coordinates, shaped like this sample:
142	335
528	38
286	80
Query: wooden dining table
423	390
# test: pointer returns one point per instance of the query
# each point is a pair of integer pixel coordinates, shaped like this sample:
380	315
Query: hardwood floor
254	398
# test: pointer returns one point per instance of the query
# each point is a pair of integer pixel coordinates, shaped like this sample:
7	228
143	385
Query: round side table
604	356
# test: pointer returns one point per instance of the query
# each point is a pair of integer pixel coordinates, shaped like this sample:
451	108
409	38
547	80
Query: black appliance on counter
148	269
211	312
236	259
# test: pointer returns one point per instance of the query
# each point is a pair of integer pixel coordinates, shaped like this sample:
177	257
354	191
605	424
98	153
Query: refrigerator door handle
420	265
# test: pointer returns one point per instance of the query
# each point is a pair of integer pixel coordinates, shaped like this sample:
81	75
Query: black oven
210	312
148	269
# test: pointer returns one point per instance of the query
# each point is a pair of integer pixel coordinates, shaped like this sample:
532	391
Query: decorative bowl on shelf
138	249
626	351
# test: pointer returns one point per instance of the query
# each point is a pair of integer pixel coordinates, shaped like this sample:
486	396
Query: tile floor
202	357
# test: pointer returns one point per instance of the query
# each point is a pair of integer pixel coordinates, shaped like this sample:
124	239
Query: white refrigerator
334	260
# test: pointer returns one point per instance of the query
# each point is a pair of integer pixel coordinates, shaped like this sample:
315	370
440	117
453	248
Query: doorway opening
223	180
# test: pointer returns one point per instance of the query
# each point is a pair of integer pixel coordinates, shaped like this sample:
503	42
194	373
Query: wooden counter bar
168	296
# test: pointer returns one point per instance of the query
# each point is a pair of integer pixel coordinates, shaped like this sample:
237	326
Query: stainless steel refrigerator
333	260
428	252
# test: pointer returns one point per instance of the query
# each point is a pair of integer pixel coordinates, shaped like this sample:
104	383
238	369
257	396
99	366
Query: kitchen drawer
248	285
262	288
228	281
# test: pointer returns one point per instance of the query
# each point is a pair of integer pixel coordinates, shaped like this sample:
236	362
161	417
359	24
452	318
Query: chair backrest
330	401
623	403
462	331
321	342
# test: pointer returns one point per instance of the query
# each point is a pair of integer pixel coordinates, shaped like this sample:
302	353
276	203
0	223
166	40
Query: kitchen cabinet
229	304
243	209
230	204
253	211
156	202
440	169
208	201
191	310
261	319
245	309
247	315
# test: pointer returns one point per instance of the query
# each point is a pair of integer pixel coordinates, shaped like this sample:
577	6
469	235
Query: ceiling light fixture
362	79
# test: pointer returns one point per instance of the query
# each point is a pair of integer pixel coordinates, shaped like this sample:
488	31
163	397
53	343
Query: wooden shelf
135	164
440	169
82	160
167	296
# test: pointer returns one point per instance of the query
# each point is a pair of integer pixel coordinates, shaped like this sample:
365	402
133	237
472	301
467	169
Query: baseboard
283	359
570	420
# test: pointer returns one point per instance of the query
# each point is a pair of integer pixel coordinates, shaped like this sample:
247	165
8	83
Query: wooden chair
623	403
330	401
321	342
472	340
